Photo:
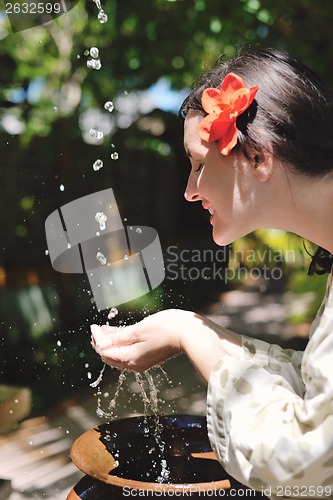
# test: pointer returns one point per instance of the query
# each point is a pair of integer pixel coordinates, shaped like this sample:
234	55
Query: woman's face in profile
223	184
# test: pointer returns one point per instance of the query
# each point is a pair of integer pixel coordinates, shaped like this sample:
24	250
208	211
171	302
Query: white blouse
270	414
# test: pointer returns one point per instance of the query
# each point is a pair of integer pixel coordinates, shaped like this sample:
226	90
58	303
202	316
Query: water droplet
94	64
46	252
102	17
114	156
98	3
101	218
62	187
55	109
97	134
138	230
58	343
109	106
94	52
126	257
69	245
89	375
113	313
101	258
99	412
86	52
98	164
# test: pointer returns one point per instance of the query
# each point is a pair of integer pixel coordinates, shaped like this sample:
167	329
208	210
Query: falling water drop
94	64
97	134
97	165
114	156
109	106
102	17
101	258
94	52
113	313
101	218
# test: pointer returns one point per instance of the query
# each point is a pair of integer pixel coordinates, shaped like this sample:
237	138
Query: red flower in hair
223	107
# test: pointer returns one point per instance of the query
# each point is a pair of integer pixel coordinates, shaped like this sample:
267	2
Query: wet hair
292	114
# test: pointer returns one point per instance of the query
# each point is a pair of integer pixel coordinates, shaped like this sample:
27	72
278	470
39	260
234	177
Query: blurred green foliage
143	41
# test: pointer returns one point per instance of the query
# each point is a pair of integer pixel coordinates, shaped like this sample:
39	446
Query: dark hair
292	113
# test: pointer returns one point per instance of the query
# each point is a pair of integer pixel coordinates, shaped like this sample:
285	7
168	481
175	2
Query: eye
199	167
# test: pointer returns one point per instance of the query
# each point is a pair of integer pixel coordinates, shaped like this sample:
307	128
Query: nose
191	191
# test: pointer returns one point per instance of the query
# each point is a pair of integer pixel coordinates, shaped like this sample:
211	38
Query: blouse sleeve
270	414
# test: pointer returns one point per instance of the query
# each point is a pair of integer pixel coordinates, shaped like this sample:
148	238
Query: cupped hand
145	344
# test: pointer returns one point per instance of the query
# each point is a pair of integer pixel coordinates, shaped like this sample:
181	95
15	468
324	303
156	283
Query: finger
121	357
100	335
125	336
107	329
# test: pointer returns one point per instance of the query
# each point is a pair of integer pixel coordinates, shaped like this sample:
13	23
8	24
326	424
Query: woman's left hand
144	344
162	336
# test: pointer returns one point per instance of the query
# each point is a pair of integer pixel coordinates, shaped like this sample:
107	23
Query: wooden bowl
149	453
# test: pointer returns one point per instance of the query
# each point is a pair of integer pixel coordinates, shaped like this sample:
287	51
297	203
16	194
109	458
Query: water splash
114	156
99	378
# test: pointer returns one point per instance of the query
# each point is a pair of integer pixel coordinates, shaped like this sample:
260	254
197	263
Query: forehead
191	136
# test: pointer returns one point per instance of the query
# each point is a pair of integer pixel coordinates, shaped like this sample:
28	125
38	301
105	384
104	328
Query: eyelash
199	168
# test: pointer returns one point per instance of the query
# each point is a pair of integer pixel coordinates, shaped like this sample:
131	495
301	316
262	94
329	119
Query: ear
262	164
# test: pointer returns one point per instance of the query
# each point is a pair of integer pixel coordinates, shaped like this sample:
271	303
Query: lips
210	208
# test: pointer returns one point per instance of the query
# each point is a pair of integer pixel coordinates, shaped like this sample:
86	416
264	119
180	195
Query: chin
222	240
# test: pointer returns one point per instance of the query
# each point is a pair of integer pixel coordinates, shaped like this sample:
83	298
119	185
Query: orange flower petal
229	140
211	100
223	106
205	126
244	98
231	84
219	128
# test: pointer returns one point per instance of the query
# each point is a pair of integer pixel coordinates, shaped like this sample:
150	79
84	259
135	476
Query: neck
304	206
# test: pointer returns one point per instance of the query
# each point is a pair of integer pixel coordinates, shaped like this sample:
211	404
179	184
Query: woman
259	134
